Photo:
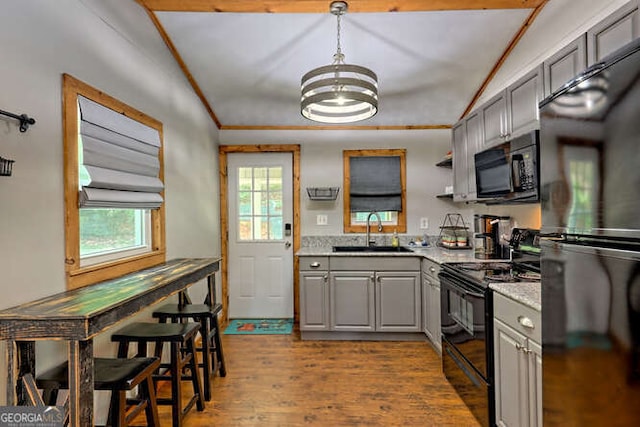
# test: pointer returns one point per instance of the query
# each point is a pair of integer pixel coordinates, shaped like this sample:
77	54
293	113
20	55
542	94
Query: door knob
287	244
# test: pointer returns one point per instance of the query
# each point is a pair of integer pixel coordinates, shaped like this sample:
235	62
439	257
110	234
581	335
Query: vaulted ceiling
433	58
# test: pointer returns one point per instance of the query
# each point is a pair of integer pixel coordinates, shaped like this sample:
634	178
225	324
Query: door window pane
260	203
245	228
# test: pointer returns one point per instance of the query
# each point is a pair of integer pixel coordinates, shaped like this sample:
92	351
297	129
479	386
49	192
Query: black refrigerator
590	260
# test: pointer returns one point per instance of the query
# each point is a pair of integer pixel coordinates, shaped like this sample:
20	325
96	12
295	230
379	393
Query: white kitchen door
260	267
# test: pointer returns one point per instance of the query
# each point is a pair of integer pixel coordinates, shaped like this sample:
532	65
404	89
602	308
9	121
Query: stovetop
484	273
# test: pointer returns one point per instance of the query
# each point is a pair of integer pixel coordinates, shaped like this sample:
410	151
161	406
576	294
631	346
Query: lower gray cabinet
518	364
375	294
314	301
431	303
367	301
352	301
314	294
398	305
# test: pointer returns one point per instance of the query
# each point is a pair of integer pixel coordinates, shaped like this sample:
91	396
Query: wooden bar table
77	316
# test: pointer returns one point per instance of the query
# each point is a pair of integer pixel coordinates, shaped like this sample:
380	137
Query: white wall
113	46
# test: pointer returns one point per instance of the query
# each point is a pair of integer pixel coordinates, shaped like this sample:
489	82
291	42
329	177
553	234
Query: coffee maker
491	236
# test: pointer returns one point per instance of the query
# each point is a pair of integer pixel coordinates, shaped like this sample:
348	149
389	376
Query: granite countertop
527	293
434	253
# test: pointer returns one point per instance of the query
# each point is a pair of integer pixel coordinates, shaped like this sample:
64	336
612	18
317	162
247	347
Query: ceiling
245	58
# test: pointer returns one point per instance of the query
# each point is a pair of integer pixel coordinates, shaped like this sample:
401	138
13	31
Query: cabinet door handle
325	278
314	265
526	322
373	279
431	269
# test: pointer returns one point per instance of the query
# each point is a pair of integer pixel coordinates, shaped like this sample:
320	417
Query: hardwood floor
279	380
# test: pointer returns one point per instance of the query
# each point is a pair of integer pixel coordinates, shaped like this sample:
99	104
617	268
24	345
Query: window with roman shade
119	165
375	184
113	186
374	181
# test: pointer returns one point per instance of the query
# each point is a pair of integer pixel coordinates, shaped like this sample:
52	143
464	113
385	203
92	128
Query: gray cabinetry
494	121
398	305
518	364
431	302
467	135
513	111
460	161
618	29
314	293
352	301
474	138
523	98
565	64
370	294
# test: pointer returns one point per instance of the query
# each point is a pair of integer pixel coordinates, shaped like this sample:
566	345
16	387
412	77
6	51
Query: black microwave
509	172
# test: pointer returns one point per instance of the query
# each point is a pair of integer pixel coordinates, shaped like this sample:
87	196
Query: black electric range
466	303
485	273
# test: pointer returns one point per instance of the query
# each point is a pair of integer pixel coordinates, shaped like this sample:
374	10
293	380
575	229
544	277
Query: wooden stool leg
147	389
218	343
195	373
176	386
207	362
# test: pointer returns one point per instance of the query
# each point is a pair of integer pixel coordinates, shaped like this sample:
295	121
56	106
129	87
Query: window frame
78	276
401	226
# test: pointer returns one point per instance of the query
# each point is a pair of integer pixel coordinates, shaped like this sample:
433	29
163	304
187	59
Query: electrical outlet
424	223
321	220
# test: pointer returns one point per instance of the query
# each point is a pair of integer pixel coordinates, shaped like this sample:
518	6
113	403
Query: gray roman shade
120	156
375	184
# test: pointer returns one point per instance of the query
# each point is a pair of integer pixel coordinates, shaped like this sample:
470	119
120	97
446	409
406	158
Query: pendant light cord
338	58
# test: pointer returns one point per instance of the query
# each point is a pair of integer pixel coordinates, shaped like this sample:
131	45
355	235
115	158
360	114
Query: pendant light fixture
339	93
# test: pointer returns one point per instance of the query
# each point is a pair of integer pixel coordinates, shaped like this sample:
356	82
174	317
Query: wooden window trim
78	276
401	227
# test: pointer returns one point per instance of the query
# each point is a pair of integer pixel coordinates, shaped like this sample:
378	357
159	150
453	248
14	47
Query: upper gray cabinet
460	162
467	134
513	111
565	64
523	98
494	121
618	29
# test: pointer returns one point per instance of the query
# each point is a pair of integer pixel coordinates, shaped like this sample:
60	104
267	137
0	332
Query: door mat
259	326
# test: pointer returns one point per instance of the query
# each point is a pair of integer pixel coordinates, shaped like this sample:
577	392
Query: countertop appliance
508	173
489	232
466	321
590	169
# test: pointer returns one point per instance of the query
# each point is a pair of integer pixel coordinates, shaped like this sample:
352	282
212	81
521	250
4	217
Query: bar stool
117	376
181	337
207	316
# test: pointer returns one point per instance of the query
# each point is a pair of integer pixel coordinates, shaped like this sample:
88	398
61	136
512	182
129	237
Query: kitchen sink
371	249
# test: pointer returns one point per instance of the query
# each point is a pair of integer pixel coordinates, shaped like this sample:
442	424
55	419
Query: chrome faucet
369	241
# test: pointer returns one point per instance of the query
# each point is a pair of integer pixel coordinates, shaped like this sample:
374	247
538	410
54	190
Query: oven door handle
463	290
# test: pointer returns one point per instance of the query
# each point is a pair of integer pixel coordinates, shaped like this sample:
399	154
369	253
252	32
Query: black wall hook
25	121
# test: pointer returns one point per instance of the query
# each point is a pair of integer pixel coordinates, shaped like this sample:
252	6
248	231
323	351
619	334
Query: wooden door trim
223	151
